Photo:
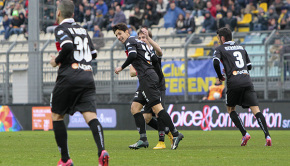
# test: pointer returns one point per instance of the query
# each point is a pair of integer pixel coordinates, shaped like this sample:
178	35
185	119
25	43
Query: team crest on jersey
60	32
128	44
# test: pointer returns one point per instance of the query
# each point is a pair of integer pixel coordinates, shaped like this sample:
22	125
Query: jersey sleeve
217	55
247	58
131	47
61	37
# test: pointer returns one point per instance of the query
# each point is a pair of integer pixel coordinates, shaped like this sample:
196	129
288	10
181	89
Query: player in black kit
146	36
140	58
75	88
240	90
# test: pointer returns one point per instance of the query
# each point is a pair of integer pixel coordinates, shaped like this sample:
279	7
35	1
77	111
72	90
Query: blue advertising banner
201	75
107	118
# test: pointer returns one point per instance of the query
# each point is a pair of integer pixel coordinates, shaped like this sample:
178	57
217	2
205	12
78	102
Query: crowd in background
100	15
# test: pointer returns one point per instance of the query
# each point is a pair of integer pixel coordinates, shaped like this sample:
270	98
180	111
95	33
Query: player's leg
60	134
165	118
59	107
97	131
239	124
139	119
262	122
251	100
140	124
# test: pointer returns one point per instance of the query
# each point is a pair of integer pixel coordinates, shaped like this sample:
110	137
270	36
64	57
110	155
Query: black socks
61	139
237	121
262	122
165	118
140	123
97	131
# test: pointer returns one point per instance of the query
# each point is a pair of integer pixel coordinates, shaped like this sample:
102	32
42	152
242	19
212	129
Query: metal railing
267	79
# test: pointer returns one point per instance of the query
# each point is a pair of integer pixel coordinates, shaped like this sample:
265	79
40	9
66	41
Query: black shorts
67	100
148	94
147	109
244	97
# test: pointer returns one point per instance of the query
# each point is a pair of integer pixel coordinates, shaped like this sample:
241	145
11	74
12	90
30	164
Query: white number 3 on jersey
83	49
239	62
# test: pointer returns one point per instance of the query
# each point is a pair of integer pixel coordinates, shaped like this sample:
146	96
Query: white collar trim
67	20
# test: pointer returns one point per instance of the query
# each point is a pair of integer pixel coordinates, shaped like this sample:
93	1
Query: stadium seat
198	52
246	19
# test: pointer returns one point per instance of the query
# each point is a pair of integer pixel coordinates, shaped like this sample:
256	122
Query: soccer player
75	88
140	58
240	89
146	36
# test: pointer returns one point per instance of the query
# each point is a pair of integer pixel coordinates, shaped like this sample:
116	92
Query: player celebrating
75	87
240	90
139	56
146	36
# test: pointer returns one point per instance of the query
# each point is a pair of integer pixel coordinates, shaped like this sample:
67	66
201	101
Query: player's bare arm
52	61
155	46
132	71
118	70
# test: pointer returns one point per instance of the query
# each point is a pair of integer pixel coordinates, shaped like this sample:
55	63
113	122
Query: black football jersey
235	60
142	63
75	69
156	61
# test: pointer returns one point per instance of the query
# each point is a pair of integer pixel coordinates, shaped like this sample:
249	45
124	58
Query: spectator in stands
119	17
282	18
171	15
230	21
216	91
211	9
278	4
198	6
88	17
216	2
136	19
101	5
19	8
215	45
79	13
14	27
272	24
272	13
219	21
150	15
184	4
129	4
132	30
161	8
180	24
5	22
250	7
235	8
220	10
261	23
108	18
9	9
98	20
188	24
284	57
275	50
98	38
209	24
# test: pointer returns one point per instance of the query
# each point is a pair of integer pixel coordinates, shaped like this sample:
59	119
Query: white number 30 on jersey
83	50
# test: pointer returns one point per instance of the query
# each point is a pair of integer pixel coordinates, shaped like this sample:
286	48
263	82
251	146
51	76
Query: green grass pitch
34	148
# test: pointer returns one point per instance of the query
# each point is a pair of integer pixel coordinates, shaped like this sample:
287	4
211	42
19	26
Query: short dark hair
120	26
67	8
225	32
149	33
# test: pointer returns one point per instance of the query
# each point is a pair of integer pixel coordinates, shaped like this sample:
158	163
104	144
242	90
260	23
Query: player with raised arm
240	89
146	36
140	58
75	87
